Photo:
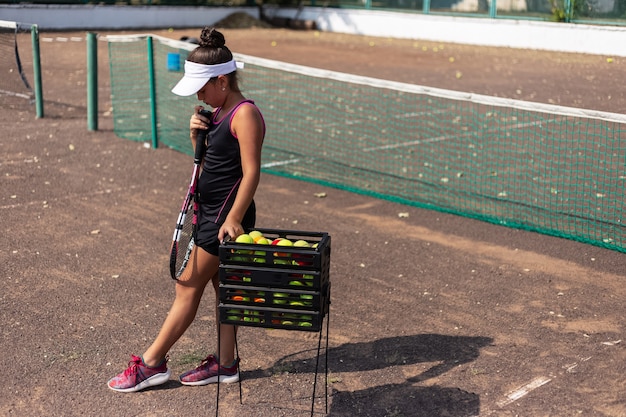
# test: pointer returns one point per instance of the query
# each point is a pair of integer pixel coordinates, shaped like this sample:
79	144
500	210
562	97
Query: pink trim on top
219	214
232	114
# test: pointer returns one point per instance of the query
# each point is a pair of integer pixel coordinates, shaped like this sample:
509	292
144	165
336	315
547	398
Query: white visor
197	75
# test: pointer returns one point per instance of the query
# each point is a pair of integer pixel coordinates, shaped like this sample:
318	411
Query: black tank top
221	171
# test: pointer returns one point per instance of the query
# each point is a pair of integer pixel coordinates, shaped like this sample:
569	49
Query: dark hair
212	50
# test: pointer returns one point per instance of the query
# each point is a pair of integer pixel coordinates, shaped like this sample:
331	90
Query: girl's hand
198	122
229	228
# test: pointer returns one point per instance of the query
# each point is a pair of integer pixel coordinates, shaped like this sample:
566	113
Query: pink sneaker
139	376
207	373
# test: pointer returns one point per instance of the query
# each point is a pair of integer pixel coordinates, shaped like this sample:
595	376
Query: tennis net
550	169
13	81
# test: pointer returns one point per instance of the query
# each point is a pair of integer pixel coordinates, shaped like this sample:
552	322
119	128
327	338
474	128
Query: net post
34	32
152	80
92	82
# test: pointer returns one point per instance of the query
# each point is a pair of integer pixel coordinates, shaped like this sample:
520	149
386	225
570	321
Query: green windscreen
550	169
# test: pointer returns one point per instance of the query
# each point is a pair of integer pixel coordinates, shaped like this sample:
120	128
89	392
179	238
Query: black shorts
206	234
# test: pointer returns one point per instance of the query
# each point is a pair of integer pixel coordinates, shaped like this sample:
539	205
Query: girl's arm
247	125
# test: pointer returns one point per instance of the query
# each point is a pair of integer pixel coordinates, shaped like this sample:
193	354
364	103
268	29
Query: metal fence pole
493	8
34	32
153	107
92	81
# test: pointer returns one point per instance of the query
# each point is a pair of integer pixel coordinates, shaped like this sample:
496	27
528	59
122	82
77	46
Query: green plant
567	10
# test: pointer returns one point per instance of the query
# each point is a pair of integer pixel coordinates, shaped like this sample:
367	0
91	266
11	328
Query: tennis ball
278	298
255	235
282	242
273	43
301	243
262	241
244	238
296	283
305	324
275	241
609	60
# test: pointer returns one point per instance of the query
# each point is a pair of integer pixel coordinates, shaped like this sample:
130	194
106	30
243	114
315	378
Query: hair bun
212	38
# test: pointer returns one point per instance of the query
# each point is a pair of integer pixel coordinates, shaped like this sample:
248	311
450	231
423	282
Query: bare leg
202	267
227	332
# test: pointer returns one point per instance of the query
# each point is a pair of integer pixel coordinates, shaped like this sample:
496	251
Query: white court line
62	39
279	163
413	142
440	138
11	93
524	390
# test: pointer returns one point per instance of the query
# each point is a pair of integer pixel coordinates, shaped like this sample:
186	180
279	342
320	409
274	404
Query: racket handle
200	141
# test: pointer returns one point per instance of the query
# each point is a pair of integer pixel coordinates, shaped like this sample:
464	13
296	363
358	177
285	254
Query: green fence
555	170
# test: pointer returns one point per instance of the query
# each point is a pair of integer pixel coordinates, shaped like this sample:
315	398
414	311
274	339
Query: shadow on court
398	356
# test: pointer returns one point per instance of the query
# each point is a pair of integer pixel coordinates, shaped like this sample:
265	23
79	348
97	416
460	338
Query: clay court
431	314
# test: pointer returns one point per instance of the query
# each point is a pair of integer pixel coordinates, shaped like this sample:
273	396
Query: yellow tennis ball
244	238
273	43
255	234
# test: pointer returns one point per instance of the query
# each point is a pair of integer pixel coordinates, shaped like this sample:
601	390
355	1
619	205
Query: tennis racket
184	233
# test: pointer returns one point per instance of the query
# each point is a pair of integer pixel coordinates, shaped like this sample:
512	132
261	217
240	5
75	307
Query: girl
230	175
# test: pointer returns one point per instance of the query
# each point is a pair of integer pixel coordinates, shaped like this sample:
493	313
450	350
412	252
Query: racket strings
186	239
